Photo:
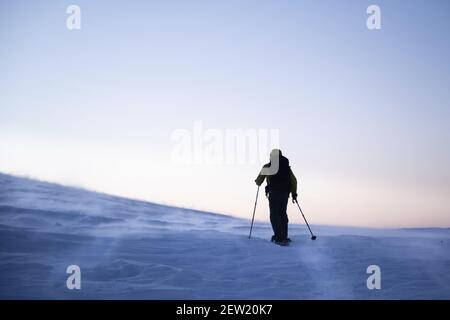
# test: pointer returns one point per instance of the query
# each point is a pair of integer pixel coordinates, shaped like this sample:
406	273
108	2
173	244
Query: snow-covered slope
129	249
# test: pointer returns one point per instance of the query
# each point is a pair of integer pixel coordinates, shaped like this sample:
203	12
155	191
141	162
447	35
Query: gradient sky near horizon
363	115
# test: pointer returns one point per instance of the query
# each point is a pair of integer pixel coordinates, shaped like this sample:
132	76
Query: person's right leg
284	198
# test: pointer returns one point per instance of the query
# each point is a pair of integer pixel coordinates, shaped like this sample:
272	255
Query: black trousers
278	217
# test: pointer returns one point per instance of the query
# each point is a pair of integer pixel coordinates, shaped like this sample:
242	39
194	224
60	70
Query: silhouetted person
280	183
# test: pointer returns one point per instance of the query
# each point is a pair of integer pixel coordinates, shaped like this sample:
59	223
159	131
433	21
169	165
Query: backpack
281	180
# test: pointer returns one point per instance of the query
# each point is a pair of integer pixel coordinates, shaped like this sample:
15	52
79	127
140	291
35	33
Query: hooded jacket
284	180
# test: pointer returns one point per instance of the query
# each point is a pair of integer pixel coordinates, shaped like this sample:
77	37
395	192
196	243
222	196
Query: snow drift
129	249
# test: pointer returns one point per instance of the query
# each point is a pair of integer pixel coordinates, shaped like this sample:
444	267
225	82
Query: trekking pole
313	237
254	209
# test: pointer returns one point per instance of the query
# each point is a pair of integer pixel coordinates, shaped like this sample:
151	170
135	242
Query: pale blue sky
363	115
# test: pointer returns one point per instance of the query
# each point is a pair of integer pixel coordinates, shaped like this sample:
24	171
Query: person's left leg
284	217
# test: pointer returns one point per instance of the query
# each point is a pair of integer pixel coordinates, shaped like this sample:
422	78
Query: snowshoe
274	240
282	243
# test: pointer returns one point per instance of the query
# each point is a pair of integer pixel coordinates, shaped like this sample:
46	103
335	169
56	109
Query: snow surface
129	249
